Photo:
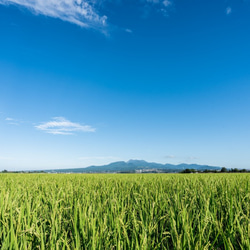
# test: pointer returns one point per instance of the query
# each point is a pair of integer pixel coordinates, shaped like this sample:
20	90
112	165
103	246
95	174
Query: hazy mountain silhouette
135	166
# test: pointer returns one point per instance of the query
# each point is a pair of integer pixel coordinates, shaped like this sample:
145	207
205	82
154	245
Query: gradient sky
92	82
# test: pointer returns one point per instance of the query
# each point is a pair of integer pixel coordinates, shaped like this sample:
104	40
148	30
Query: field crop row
130	211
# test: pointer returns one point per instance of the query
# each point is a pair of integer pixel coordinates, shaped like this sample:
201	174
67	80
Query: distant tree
188	171
5	171
235	170
243	170
223	170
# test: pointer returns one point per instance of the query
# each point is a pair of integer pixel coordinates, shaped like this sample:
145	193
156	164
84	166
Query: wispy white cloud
62	126
164	3
84	13
98	158
4	158
182	158
228	10
191	158
170	157
128	30
13	121
9	119
153	1
79	12
160	6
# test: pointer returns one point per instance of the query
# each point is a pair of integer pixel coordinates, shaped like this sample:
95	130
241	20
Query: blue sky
92	82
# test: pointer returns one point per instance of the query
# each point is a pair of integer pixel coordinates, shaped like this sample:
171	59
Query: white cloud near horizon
182	158
4	158
87	161
193	158
62	126
99	158
79	12
170	156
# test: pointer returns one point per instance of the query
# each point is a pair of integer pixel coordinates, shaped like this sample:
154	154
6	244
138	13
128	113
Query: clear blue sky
91	82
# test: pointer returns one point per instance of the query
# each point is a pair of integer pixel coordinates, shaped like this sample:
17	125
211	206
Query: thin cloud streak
99	158
170	157
160	6
165	3
128	30
9	119
12	121
62	126
4	158
228	10
79	12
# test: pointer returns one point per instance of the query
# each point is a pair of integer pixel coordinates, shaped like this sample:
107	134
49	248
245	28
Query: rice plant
112	211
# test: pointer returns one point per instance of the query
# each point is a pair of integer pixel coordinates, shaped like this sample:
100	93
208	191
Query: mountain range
136	166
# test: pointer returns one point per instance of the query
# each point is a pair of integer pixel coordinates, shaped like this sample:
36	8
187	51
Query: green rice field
124	211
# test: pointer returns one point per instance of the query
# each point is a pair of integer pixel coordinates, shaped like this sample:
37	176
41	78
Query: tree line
223	170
